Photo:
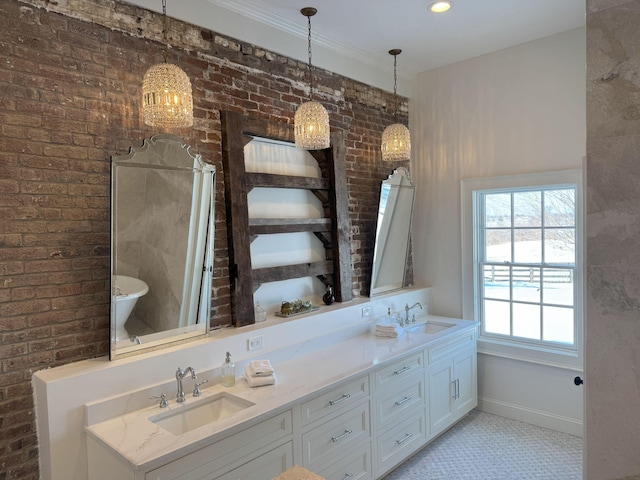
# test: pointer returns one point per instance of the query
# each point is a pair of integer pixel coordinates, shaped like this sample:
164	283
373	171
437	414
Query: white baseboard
528	415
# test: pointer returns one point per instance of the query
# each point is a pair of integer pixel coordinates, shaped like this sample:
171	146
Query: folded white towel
385	330
254	381
261	368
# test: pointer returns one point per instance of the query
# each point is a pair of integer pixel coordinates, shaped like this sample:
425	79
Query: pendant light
396	139
311	120
166	91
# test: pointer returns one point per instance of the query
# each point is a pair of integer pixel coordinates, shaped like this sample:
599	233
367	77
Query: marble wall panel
613	78
612	374
596	5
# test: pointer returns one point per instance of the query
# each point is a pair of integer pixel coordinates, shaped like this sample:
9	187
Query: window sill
568	360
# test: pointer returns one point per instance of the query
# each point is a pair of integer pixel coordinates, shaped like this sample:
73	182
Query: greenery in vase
296	306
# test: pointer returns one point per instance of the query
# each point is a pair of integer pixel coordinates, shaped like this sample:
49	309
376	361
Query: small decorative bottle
228	372
259	313
328	298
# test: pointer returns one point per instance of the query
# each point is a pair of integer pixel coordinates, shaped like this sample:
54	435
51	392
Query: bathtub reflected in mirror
161	246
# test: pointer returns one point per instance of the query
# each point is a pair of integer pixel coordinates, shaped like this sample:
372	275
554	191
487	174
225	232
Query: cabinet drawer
400	369
401	441
335	400
448	347
395	403
322	444
229	451
268	465
355	466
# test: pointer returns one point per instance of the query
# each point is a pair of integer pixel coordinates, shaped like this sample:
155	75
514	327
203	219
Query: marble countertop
145	445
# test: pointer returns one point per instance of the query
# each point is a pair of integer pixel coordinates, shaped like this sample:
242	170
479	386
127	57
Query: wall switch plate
366	312
255	343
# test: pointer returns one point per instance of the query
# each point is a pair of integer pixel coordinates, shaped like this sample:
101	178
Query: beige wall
612	378
518	110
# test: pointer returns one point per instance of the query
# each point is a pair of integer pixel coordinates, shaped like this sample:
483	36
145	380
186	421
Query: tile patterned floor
488	447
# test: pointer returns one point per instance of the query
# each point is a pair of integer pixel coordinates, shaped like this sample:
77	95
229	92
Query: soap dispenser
260	314
228	372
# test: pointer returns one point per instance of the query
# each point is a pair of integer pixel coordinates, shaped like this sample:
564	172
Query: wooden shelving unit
332	229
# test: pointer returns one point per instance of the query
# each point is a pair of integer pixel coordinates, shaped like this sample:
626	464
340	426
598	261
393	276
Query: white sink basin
184	418
431	327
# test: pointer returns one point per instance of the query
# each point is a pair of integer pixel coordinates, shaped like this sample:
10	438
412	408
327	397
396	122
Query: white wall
518	110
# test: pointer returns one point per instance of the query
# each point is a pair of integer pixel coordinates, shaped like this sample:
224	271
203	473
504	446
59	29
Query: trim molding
529	415
299	30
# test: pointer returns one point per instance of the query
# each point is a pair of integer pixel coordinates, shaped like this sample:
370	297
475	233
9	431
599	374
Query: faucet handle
196	388
163	400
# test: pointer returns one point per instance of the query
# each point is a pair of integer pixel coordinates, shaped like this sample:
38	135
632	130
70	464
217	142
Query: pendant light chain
309	51
165	33
395	88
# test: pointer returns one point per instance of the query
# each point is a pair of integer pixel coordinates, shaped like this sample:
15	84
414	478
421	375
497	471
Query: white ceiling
352	37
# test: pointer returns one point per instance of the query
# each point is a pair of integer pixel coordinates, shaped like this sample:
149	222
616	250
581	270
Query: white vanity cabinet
351	426
267	445
452	381
336	432
401	425
247	455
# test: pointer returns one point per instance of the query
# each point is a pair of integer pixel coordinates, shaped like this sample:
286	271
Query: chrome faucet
407	308
180	374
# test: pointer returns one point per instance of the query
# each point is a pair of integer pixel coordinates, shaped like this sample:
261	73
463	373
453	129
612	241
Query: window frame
553	354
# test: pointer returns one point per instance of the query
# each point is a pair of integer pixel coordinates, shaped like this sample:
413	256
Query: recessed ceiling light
440	7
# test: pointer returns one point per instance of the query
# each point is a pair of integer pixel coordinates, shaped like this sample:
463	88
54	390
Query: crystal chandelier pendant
396	143
167	100
396	138
166	97
311	126
311	120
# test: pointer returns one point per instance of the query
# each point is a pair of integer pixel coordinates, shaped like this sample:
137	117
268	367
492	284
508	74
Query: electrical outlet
366	311
255	343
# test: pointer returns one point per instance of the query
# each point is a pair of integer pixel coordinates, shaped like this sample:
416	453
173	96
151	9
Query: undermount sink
431	327
184	418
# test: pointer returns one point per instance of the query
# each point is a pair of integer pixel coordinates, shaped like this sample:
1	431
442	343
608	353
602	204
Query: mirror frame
151	156
398	186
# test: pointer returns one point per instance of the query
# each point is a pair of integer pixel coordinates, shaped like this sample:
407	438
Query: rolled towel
261	368
254	381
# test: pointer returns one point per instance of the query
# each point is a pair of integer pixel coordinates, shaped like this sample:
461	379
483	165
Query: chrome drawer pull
346	432
404	400
405	438
402	370
343	397
347	475
456	388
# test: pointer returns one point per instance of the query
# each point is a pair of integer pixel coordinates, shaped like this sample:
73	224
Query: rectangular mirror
162	234
393	233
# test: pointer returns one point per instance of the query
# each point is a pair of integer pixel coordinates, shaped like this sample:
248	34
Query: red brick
28	362
24	253
48	318
10	378
58	129
11	324
26	335
54	343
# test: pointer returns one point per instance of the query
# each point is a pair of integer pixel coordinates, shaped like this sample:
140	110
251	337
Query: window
526	259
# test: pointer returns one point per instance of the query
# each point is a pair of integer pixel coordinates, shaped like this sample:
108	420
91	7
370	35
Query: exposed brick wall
70	79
